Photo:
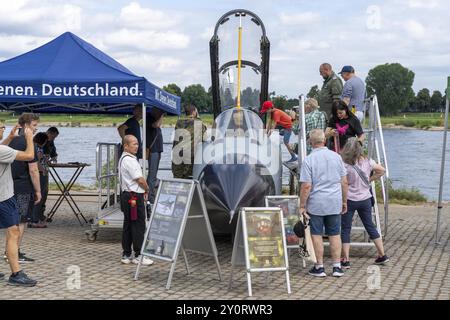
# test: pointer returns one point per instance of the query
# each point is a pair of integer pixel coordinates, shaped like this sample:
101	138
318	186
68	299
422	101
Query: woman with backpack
359	198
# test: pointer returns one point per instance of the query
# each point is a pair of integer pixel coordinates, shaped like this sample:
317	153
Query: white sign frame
241	235
195	195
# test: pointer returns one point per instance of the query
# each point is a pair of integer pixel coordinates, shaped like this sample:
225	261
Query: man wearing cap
354	91
279	120
331	89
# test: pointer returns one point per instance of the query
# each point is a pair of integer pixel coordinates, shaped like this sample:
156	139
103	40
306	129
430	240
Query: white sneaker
125	260
145	261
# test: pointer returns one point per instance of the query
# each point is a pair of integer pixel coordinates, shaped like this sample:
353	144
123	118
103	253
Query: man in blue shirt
323	198
354	91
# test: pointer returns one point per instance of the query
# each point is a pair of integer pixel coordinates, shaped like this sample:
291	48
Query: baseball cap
347	69
266	106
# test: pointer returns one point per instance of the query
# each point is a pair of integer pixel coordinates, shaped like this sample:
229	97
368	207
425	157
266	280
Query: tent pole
444	147
144	140
301	137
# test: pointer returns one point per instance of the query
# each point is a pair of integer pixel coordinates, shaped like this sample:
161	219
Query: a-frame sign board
260	242
179	221
290	206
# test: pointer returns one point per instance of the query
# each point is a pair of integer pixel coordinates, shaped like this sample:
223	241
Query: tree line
391	82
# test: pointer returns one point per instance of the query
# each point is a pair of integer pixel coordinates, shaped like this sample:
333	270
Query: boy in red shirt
279	120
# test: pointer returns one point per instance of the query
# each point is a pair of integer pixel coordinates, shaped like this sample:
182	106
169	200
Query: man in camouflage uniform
331	89
182	165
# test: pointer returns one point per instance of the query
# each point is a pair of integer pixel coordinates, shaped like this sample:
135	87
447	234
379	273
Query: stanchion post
444	148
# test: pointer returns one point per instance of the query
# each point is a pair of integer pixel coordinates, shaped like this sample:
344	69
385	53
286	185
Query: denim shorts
9	214
287	135
332	224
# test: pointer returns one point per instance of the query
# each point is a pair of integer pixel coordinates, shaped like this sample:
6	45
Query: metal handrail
377	150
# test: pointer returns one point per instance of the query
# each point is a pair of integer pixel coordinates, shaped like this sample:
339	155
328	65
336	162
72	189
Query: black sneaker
382	260
21	279
24	259
337	272
345	264
317	272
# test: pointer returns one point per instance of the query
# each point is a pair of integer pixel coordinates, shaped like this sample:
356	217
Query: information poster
290	207
264	239
167	218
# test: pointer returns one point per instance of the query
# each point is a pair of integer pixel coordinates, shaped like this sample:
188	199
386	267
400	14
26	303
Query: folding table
65	188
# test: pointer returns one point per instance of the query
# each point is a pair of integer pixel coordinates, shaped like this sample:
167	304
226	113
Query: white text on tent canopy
97	90
165	98
16	91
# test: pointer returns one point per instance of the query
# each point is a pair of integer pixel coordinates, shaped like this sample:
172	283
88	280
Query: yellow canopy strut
239	67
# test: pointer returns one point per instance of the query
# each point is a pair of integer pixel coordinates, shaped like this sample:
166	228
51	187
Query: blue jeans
332	224
364	209
153	166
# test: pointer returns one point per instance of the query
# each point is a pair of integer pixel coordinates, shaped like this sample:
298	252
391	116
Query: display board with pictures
263	231
260	231
171	205
179	207
290	206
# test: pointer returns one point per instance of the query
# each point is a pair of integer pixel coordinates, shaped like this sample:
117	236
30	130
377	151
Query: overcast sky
167	41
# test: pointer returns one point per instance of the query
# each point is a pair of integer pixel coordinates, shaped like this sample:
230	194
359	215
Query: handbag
306	249
366	181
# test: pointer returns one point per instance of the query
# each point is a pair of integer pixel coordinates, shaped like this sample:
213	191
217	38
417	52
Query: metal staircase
375	150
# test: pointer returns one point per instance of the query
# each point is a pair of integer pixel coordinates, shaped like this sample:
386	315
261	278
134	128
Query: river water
414	156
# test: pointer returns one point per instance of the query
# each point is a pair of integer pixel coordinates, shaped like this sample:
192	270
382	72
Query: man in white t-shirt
9	214
132	201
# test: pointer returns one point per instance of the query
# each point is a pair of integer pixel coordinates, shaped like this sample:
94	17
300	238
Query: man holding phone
27	187
9	214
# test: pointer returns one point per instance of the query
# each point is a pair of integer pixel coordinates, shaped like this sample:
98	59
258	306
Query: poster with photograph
290	207
167	218
264	239
165	205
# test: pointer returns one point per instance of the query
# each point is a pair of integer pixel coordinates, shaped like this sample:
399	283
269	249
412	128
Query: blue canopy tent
69	75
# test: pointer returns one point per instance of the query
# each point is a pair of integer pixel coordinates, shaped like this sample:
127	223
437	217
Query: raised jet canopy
254	63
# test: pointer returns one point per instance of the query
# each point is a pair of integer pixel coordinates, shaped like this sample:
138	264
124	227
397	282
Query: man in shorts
323	198
27	186
9	214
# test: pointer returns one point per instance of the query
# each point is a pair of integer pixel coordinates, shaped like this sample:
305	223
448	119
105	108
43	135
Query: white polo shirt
129	171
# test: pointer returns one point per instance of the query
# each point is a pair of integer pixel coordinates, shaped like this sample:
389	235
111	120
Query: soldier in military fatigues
194	125
331	89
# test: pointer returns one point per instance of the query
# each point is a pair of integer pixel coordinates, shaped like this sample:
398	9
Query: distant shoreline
416	121
111	125
397	127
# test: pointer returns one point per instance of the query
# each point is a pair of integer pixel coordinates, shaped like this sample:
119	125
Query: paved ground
418	269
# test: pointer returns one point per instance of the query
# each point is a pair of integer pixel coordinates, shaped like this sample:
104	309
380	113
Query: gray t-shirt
324	169
7	156
355	89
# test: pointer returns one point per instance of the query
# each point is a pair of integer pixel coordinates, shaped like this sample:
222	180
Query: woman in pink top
359	197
